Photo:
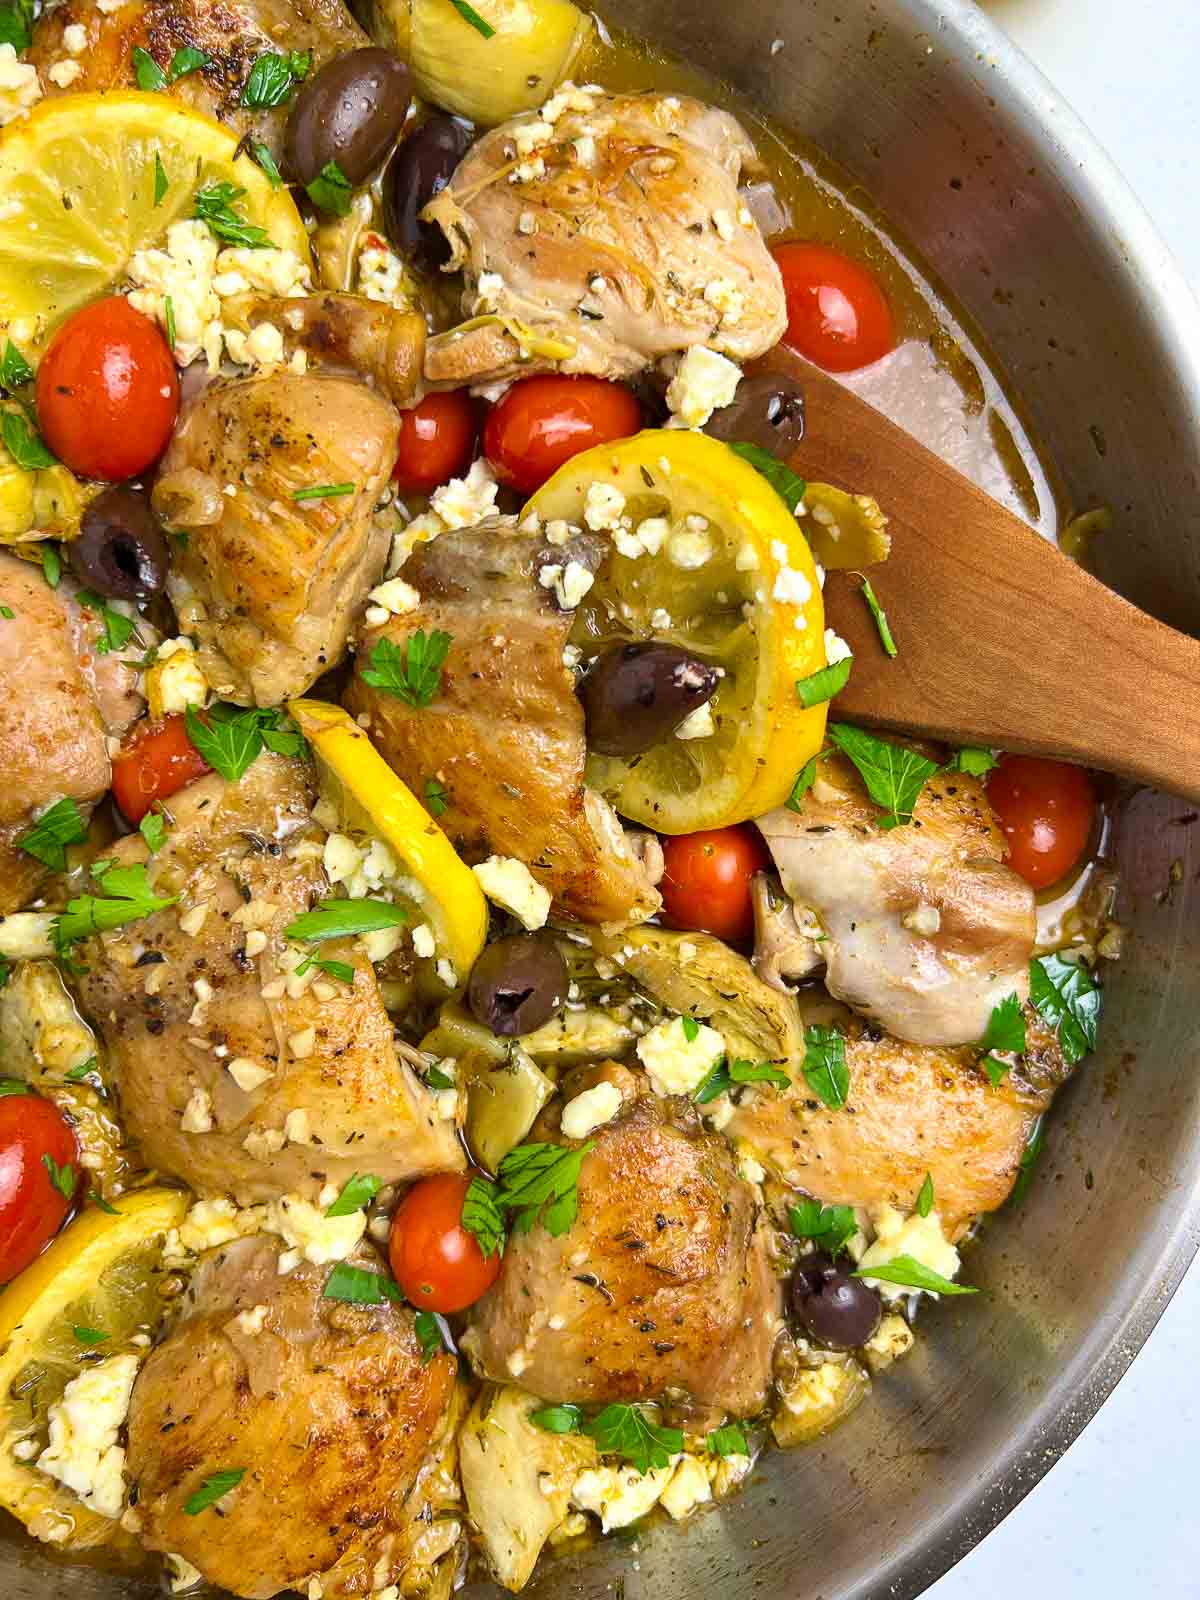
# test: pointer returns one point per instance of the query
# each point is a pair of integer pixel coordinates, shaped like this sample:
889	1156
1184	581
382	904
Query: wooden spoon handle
1003	641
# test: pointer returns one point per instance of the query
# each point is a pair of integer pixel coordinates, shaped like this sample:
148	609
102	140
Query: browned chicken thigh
232	1075
327	1411
605	241
270	583
504	732
661	1286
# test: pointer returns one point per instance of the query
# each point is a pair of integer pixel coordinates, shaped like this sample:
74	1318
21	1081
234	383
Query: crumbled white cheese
916	1236
647	540
704	382
923	919
585	150
816	1389
342	858
19	86
380	943
295	1127
382	275
446	973
261	347
253	1321
175	681
791	587
509	883
689	548
836	648
892	1339
83	1452
589	1110
570	583
674	1063
305	1227
198	1113
423	941
75	38
724	296
463	502
698	724
395	597
64	73
247	1074
619	1495
488	293
689	1487
723	223
604	508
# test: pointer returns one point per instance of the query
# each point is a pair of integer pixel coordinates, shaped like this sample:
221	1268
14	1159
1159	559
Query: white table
1116	1518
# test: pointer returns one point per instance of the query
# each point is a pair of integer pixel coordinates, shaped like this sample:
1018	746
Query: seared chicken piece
186	1014
662	1283
910	1111
505	731
269	583
926	929
328	1410
605	241
343	332
231	33
61	700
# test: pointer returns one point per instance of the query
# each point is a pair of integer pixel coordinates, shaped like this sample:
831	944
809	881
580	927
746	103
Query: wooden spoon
1003	641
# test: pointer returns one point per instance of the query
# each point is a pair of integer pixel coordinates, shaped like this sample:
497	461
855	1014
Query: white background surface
1116	1518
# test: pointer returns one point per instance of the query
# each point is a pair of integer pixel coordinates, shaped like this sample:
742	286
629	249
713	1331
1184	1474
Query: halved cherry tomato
1045	810
838	316
155	761
436	1262
33	1207
108	391
706	882
542	422
437	441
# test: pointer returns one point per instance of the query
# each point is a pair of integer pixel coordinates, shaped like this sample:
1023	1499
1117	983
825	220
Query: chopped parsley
13	1086
925	1198
821	686
16	23
558	1419
893	774
231	738
63	1178
151	77
825	1069
469	14
1006	1027
263	157
214	1488
778	474
880	615
727	1441
331	190
24	443
160	182
805	779
691	1028
358	1286
411	674
51	565
827	1227
273	77
126	896
357	1193
629	1431
434	1078
342	919
216	205
54	830
909	1273
118	628
437	801
482	1217
102	1204
169	318
90	1336
15	371
80	1070
324	491
540	1182
978	763
153	830
1029	1159
341	970
724	1074
1068	998
431	1335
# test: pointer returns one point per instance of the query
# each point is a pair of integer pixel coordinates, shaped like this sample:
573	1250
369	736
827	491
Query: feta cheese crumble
674	1063
19	86
570	583
83	1453
704	382
510	884
590	1110
916	1236
698	724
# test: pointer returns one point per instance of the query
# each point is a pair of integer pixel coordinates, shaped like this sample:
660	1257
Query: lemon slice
101	1274
77	187
371	800
732	581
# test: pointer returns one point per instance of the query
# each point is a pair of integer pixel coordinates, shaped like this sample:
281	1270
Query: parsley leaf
541	1181
281	735
558	1419
160	181
118	628
169	316
342	919
1029	1160
778	474
186	60
629	1432
825	1069
975	762
805	779
880	615
53	831
1006	1027
333	969
828	1227
15	371
823	685
925	1198
482	1218
412	674
102	1204
469	14
215	204
214	1488
430	1332
724	1074
331	190
324	491
996	1070
437	801
51	565
154	830
13	1086
1069	999
727	1441
910	1273
434	1078
24	443
357	1286
266	161
357	1192
125	896
150	76
16	24
893	774
89	1335
691	1029
273	77
63	1178
229	738
80	1070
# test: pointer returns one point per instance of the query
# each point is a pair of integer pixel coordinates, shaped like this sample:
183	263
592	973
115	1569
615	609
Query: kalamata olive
422	166
767	410
349	112
637	694
120	552
836	1310
517	984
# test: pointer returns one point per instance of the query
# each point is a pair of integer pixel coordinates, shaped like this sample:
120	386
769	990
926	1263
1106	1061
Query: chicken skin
271	578
187	1014
327	1410
660	1287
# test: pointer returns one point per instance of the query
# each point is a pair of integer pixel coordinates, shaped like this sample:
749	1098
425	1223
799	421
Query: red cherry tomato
108	391
706	882
156	760
436	1262
1045	810
437	441
542	422
32	1207
838	317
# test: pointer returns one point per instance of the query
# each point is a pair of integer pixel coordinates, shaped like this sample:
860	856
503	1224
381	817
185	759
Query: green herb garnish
54	830
342	919
324	491
125	896
880	615
925	1198
627	1431
411	674
482	1218
778	474
430	1335
63	1178
437	801
118	628
160	180
153	830
825	1069
910	1273
893	774
80	1070
214	1488
828	1227
724	1074
469	14
357	1193
1068	998
540	1182
263	158
558	1419
90	1335
273	77
215	205
691	1029
15	371
24	443
357	1286
1006	1027
978	763
821	686
727	1441
331	190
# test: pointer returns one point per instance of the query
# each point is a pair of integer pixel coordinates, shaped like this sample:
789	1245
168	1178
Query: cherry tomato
706	882
838	317
32	1206
1045	810
436	1262
156	760
437	441
108	391
542	422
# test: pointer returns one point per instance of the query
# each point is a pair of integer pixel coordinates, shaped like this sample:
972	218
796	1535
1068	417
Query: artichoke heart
47	503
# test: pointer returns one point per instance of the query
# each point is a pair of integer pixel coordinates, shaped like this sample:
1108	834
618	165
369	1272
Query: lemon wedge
101	1276
730	578
370	799
78	183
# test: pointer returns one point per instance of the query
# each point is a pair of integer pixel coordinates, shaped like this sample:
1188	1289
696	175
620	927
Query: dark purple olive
835	1310
120	552
767	410
517	984
636	695
349	112
422	166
